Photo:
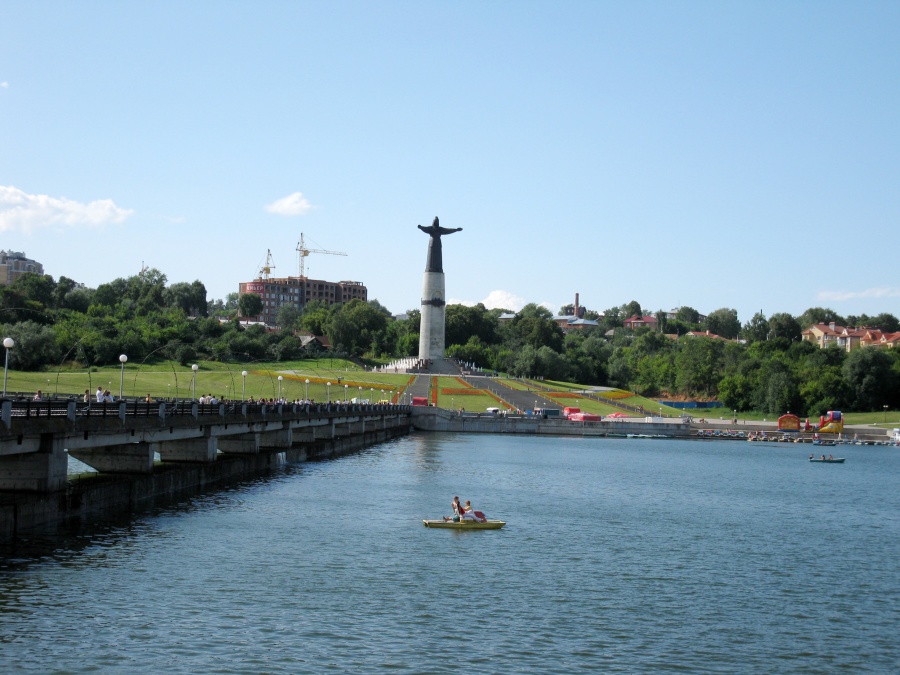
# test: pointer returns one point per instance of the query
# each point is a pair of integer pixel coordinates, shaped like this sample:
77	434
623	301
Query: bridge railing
74	409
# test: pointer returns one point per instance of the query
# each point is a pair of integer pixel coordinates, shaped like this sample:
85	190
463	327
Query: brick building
297	291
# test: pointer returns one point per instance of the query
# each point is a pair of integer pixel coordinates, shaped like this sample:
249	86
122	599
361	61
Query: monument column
431	328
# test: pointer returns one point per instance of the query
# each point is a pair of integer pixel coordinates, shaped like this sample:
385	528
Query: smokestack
577	315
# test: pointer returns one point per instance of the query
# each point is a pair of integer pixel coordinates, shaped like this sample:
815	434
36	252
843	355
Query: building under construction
276	292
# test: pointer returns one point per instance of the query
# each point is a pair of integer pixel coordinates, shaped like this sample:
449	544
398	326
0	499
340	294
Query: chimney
831	325
577	315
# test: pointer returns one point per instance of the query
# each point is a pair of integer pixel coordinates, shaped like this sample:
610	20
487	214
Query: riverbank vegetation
62	328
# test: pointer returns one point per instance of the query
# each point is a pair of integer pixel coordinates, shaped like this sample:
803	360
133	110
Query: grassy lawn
170	380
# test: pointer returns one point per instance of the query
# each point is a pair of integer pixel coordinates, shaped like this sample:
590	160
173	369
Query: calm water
619	556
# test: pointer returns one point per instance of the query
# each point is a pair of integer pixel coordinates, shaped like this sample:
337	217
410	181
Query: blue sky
711	154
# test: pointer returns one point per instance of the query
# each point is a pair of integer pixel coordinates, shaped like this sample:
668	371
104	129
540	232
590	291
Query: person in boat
811	456
823	458
830	456
457	510
469	514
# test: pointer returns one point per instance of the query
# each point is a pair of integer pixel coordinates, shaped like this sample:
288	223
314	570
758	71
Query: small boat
821	442
834	460
465	524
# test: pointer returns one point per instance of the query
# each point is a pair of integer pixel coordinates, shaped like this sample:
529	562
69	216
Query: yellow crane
267	268
303	251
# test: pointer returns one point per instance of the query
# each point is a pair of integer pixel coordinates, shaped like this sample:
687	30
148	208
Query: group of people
102	396
461	512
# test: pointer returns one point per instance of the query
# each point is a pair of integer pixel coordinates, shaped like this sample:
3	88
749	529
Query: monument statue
434	262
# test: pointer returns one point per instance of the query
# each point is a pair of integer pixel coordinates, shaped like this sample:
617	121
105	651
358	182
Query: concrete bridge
36	439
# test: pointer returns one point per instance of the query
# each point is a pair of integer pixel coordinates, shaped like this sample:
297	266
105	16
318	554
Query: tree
757	329
250	304
724	322
783	325
287	318
356	326
688	315
871	380
630	309
819	315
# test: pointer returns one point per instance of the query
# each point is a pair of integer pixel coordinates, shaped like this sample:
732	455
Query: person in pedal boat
469	514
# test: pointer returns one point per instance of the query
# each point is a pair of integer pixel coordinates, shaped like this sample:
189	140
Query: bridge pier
242	444
123	458
41	471
187	450
280	439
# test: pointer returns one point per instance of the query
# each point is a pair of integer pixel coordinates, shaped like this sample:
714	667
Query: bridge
36	438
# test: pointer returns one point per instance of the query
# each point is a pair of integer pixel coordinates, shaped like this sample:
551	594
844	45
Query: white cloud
4	85
24	212
293	205
495	300
841	296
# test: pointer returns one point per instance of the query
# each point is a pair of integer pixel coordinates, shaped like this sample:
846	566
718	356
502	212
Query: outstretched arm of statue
448	230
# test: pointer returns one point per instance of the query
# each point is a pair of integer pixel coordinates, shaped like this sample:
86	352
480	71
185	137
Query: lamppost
885	412
226	392
328	392
244	385
168	392
280	378
307	389
360	393
122	360
371	395
382	395
345	392
9	343
195	368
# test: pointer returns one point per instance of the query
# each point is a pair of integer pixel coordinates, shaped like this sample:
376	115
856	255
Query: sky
709	154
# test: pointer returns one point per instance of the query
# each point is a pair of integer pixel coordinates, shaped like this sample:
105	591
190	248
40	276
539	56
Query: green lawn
171	380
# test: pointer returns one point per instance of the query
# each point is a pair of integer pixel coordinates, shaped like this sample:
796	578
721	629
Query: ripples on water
619	556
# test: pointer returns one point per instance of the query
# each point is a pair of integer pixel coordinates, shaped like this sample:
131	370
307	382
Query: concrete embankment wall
96	497
438	419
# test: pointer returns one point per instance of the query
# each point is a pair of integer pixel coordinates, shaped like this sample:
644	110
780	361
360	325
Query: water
619	556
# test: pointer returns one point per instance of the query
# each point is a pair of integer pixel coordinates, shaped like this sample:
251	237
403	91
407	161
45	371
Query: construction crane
266	269
303	252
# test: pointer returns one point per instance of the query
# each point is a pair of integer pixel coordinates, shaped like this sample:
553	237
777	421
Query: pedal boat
465	524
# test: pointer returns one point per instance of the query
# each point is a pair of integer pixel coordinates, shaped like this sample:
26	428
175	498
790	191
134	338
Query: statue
434	262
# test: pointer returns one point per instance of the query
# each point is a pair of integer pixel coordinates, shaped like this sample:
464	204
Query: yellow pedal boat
465	524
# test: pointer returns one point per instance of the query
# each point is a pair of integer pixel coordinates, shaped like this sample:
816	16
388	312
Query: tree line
760	365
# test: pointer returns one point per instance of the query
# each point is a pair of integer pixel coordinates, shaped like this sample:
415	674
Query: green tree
757	329
250	304
871	380
724	322
783	325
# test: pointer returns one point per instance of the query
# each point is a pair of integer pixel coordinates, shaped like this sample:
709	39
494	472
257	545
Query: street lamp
328	392
885	412
360	394
382	395
307	389
244	385
280	378
195	368
168	392
9	343
122	360
345	392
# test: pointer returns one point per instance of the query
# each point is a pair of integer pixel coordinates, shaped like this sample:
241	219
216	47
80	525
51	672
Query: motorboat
826	460
464	524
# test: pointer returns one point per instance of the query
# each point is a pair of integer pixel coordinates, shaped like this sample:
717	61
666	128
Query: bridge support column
307	435
241	444
340	430
125	458
187	450
41	471
281	439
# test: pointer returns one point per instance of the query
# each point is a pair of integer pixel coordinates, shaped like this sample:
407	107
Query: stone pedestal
431	331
